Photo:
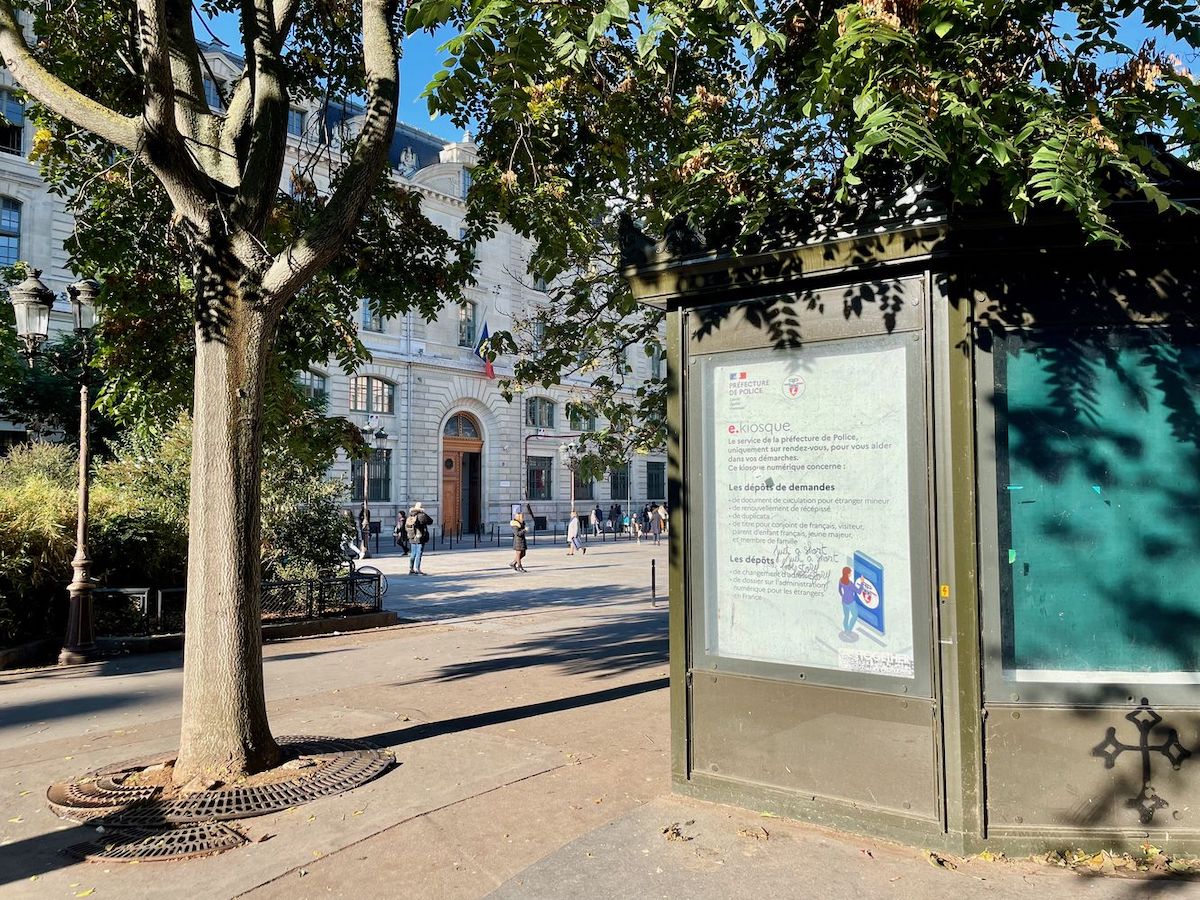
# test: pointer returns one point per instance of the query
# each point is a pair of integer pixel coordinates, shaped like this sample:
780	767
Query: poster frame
702	496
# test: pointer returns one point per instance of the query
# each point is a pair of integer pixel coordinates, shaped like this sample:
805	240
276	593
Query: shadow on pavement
602	645
513	713
73	706
457	599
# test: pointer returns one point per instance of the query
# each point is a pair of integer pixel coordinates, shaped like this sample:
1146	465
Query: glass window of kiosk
1092	559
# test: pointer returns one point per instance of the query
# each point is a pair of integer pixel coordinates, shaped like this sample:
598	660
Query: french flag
488	369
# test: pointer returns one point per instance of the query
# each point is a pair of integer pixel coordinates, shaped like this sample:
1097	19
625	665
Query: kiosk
935	556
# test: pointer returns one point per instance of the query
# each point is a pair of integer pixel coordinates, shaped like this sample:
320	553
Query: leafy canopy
723	114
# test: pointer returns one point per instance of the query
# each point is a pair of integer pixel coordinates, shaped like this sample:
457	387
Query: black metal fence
125	611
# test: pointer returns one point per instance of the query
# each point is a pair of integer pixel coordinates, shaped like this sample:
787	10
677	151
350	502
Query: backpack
412	529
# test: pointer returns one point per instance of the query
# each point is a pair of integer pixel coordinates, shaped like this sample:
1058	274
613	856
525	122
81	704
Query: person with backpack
416	526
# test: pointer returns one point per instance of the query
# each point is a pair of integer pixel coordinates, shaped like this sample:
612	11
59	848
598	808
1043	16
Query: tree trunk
225	733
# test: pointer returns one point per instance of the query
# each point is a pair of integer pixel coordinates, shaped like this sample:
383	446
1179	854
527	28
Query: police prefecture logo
793	387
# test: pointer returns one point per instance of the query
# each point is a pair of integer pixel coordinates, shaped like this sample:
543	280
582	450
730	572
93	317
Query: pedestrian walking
656	523
573	541
594	520
519	542
613	520
416	527
636	525
400	535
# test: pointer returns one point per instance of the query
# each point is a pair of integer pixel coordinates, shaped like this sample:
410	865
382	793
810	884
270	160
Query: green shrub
138	524
132	540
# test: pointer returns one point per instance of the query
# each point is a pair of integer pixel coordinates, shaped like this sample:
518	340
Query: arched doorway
462	473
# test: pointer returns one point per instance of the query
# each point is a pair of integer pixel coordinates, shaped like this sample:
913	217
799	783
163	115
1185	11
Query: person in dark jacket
417	528
400	535
519	542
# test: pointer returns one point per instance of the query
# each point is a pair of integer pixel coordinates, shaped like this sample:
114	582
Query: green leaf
943	28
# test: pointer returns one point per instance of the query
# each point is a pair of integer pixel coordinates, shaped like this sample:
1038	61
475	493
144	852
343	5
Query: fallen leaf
358	812
16	820
938	862
24	794
758	833
86	893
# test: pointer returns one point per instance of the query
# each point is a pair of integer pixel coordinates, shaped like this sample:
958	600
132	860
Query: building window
467	181
656	363
581	422
10	231
585	489
371	319
539	284
313	384
656	481
537	472
539	412
379	478
12	129
212	94
296	122
466	324
618	483
538	332
461	426
372	395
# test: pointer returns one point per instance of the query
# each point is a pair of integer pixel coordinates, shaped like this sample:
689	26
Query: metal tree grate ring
339	765
126	844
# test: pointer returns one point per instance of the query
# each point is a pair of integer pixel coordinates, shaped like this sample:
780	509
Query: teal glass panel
1099	501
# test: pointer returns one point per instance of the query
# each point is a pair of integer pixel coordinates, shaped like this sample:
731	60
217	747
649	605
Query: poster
809	480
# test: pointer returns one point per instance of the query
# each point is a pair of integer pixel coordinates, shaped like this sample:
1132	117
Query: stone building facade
447	437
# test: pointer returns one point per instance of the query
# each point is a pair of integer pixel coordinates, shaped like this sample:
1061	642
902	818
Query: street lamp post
32	302
570	457
80	643
372	430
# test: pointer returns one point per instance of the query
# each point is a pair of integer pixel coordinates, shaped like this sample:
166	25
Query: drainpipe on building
408	326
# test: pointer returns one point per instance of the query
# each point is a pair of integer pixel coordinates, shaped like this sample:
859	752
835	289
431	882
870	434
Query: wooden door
452	490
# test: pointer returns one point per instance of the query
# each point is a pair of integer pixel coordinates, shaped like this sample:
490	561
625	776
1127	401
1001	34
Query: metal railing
144	611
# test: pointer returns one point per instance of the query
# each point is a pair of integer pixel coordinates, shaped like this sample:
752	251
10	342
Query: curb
280	632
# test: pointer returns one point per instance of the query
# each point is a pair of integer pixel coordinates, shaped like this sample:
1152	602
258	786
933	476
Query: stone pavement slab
717	852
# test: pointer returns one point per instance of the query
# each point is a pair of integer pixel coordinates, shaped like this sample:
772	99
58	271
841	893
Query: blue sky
417	66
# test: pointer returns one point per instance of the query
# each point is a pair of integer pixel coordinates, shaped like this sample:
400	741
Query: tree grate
128	844
140	824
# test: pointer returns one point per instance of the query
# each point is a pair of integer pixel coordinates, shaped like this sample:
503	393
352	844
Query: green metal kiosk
935	549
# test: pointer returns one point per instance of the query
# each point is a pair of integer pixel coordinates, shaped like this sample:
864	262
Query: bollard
653	582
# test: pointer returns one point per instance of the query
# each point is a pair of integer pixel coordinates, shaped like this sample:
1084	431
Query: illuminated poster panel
809	477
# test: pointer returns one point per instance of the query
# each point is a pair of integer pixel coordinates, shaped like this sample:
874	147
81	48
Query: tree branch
193	117
267	142
239	114
56	95
159	99
298	263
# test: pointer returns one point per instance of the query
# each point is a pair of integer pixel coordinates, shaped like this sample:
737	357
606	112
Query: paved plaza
528	715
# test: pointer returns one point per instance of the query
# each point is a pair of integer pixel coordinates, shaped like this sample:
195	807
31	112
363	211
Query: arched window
461	426
539	412
372	395
10	231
